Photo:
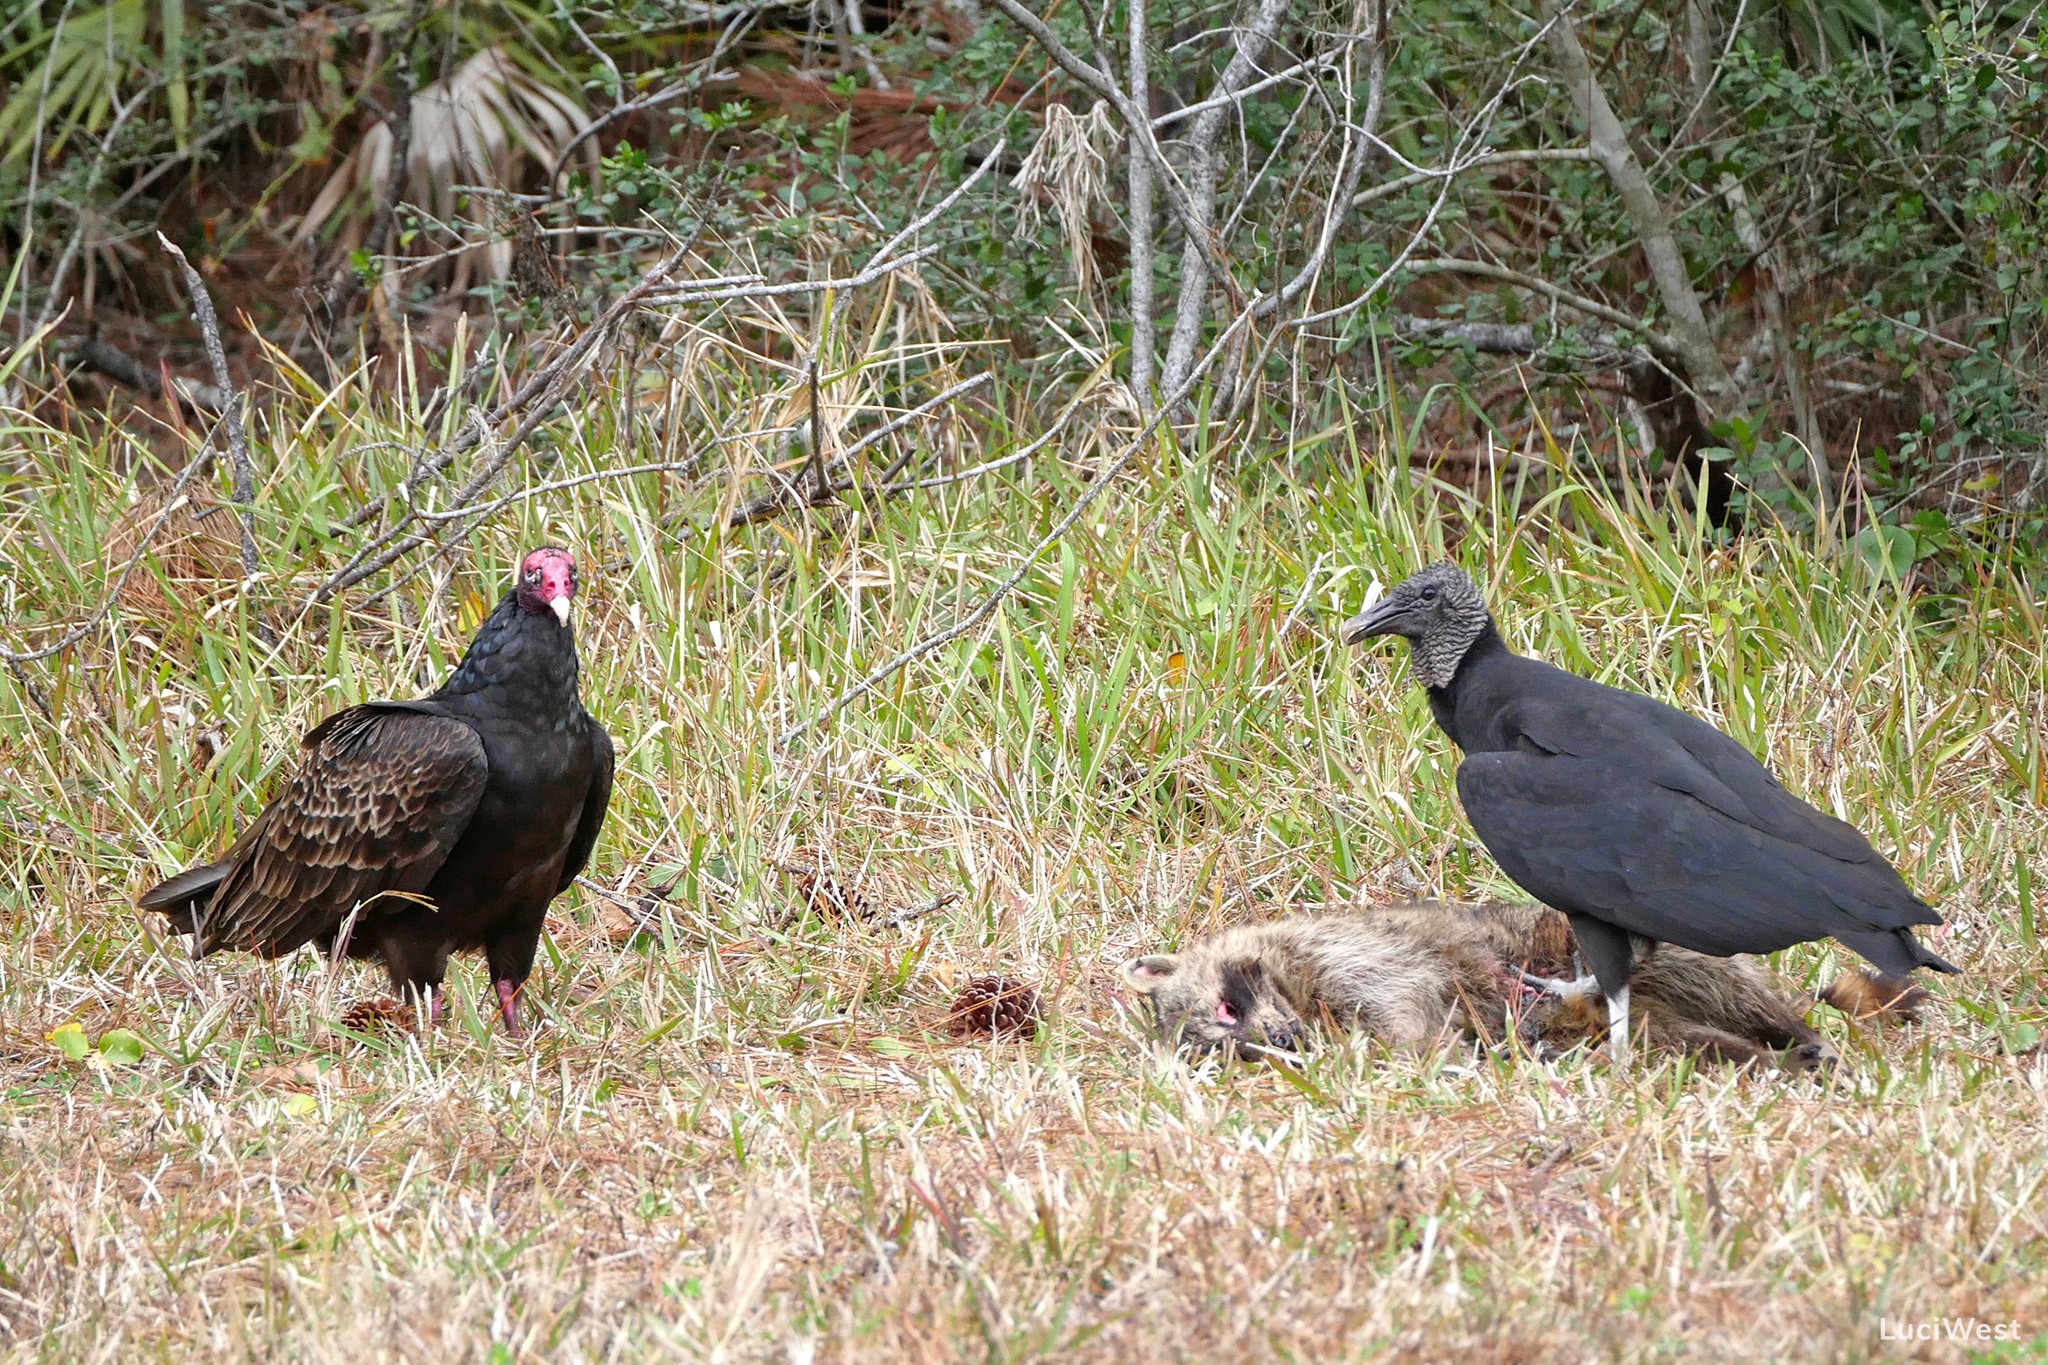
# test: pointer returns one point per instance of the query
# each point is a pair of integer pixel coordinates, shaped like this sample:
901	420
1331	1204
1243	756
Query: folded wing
383	794
1665	850
595	803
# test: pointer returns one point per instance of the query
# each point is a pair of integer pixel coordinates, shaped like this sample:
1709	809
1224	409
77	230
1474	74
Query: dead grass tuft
193	562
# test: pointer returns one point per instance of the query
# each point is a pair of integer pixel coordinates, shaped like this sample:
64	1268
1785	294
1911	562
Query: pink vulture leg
433	1006
508	1006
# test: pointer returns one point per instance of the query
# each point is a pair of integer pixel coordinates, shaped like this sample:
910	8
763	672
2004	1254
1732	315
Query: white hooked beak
561	606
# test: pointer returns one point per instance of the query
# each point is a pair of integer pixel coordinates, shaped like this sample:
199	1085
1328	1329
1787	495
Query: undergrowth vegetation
743	1131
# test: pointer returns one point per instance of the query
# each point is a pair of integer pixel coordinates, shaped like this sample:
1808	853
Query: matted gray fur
1411	974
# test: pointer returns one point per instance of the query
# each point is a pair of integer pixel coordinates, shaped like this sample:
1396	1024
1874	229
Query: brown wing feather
381	797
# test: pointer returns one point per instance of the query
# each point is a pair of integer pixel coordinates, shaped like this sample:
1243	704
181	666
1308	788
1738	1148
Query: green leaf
71	1041
121	1047
300	1105
1886	549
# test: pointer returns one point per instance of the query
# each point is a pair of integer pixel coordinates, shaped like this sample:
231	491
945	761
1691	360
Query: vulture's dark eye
533	575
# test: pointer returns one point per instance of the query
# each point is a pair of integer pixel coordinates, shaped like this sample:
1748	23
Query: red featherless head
547	581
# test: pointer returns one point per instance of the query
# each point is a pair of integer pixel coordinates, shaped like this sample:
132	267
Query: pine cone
369	1016
996	1007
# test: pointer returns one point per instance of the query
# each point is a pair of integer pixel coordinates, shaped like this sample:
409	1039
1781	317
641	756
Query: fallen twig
909	913
557	485
867	275
642	909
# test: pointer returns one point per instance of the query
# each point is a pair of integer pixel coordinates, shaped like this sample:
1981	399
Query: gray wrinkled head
1438	611
1216	1002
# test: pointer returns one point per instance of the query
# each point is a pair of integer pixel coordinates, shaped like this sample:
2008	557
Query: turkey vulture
1641	823
414	828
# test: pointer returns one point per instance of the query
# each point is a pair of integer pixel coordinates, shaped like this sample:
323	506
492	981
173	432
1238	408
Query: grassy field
742	1131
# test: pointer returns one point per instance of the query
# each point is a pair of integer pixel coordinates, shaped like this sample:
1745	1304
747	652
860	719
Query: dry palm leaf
481	126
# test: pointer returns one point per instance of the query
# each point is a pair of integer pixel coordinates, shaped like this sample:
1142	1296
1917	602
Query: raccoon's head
1216	1004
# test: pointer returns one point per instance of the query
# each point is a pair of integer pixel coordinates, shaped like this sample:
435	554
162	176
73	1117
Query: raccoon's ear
1144	974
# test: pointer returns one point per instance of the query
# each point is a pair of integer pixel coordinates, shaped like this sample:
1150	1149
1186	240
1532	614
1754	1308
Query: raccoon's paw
1813	1056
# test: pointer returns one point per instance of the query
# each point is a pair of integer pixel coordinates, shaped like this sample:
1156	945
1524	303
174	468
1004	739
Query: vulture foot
508	1007
1617	1028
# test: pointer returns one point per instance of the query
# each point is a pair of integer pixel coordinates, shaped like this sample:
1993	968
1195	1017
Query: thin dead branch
824	488
231	407
1137	123
1535	284
1689	340
530	405
1233	88
1389	188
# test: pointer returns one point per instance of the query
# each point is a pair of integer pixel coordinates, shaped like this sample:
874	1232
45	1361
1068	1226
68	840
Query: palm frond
483	125
89	54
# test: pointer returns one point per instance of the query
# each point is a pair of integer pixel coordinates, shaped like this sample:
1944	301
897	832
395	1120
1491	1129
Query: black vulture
414	828
1643	824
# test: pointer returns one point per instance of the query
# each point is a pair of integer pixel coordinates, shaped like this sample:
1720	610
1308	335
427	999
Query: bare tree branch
1227	99
1102	85
1496	338
1578	303
1692	344
1140	211
542	390
1351	166
867	275
1044	439
1188	313
1388	189
1473	134
532	403
824	487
